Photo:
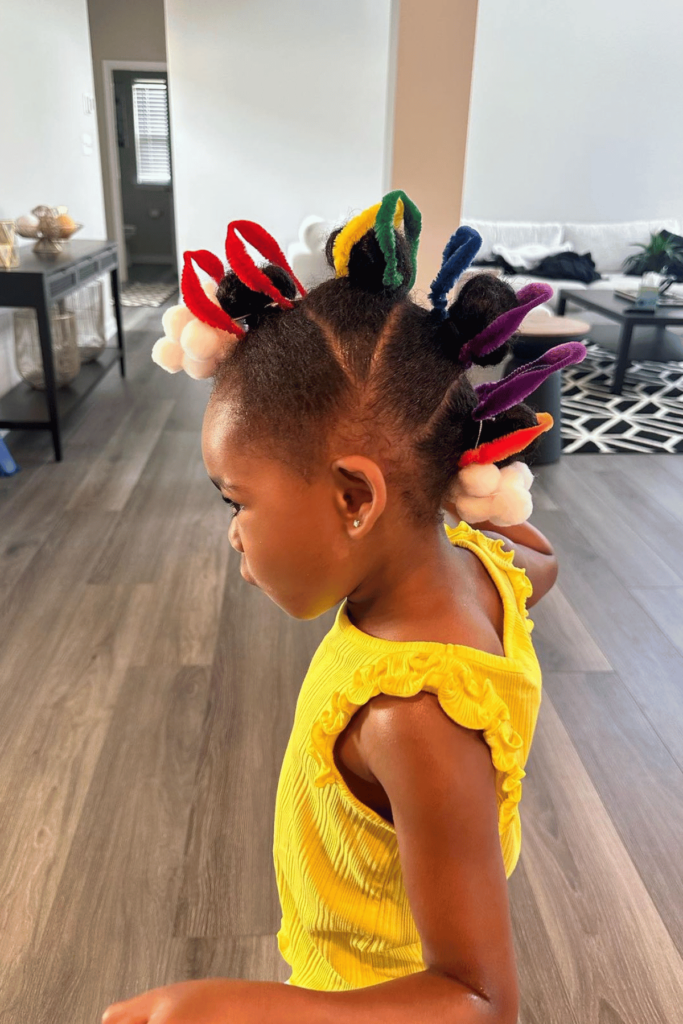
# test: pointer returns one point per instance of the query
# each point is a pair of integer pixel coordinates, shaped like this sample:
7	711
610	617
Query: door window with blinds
150	117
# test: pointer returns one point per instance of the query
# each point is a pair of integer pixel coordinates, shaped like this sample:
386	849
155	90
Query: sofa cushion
610	244
518	281
514	234
613	281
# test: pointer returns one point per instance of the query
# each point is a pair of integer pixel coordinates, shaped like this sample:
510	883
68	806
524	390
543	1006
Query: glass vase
65	357
9	252
88	305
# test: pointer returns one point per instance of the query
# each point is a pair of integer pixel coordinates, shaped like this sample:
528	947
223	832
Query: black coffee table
663	348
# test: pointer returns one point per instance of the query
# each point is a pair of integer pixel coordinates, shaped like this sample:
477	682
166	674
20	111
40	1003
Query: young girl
340	425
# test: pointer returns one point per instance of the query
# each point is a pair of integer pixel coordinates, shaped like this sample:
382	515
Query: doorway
141	176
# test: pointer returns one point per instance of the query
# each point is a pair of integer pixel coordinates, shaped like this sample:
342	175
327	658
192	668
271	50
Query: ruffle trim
470	703
521	583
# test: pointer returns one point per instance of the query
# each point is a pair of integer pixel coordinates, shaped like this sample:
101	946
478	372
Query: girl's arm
533	552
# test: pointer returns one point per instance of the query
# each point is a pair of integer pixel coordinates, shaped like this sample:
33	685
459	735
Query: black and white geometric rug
139	293
646	417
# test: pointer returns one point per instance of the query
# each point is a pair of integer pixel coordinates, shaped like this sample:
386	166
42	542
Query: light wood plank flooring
147	694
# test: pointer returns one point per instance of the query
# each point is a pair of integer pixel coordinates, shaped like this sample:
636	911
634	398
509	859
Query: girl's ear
360	493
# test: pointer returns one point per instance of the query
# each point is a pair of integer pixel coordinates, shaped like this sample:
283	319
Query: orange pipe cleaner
509	444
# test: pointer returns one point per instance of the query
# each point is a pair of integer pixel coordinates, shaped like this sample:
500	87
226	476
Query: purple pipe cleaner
498	395
505	325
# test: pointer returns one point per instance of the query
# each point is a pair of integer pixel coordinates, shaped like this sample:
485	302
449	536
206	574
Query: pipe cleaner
482	490
200	332
505	325
387	216
461	249
386	236
497	396
507	445
243	265
353	231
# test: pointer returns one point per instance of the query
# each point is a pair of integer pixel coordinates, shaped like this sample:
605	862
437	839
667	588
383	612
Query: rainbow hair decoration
385	218
200	332
461	249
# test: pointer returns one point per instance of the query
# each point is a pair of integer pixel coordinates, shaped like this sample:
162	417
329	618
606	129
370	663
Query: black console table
39	282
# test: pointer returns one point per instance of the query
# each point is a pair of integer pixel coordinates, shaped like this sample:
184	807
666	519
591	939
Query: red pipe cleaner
245	268
509	444
196	299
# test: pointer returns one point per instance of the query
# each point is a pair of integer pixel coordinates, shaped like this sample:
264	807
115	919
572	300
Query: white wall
44	158
576	111
278	110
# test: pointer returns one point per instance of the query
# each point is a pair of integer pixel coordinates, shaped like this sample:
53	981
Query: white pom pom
198	369
511	506
209	288
473	510
174	319
201	341
517	471
478	480
168	354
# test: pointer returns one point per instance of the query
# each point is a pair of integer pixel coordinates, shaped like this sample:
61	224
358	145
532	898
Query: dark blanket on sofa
563	266
568	266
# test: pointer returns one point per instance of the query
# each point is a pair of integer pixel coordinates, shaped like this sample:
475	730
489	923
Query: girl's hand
523	534
207	1001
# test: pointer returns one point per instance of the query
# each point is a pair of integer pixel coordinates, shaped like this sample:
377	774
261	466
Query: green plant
663	251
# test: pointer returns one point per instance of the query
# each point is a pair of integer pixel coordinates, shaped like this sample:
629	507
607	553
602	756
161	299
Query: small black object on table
665	346
537	335
38	282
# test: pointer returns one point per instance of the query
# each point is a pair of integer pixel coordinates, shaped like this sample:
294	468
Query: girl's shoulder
509	578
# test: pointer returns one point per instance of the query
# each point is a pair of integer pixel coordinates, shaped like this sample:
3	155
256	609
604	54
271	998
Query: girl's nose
234	536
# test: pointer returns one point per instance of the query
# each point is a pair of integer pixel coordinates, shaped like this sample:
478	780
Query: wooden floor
147	694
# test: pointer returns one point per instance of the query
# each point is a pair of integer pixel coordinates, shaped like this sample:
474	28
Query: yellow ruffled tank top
346	919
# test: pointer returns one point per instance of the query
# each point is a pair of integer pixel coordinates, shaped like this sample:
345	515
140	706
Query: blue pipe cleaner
461	249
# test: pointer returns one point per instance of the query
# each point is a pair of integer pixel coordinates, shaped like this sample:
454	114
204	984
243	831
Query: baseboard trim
164	259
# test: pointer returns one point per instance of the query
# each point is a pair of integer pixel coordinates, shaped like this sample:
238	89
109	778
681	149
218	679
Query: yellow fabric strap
354	231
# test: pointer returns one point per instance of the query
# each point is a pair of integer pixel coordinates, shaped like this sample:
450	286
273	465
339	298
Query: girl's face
294	536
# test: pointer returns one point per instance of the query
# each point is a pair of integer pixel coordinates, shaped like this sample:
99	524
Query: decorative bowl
46	227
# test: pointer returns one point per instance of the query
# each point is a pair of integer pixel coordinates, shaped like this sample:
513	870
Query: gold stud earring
356	522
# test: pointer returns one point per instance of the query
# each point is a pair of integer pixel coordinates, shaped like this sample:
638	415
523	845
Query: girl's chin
246	576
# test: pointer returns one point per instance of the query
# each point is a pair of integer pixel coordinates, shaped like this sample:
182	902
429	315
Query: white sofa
608	245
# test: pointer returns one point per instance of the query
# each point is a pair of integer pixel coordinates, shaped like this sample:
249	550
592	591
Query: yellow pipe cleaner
354	231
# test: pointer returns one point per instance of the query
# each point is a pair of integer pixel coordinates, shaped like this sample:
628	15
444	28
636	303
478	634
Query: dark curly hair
356	357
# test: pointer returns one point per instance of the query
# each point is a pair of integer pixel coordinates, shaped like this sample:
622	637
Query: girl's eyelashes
233	505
